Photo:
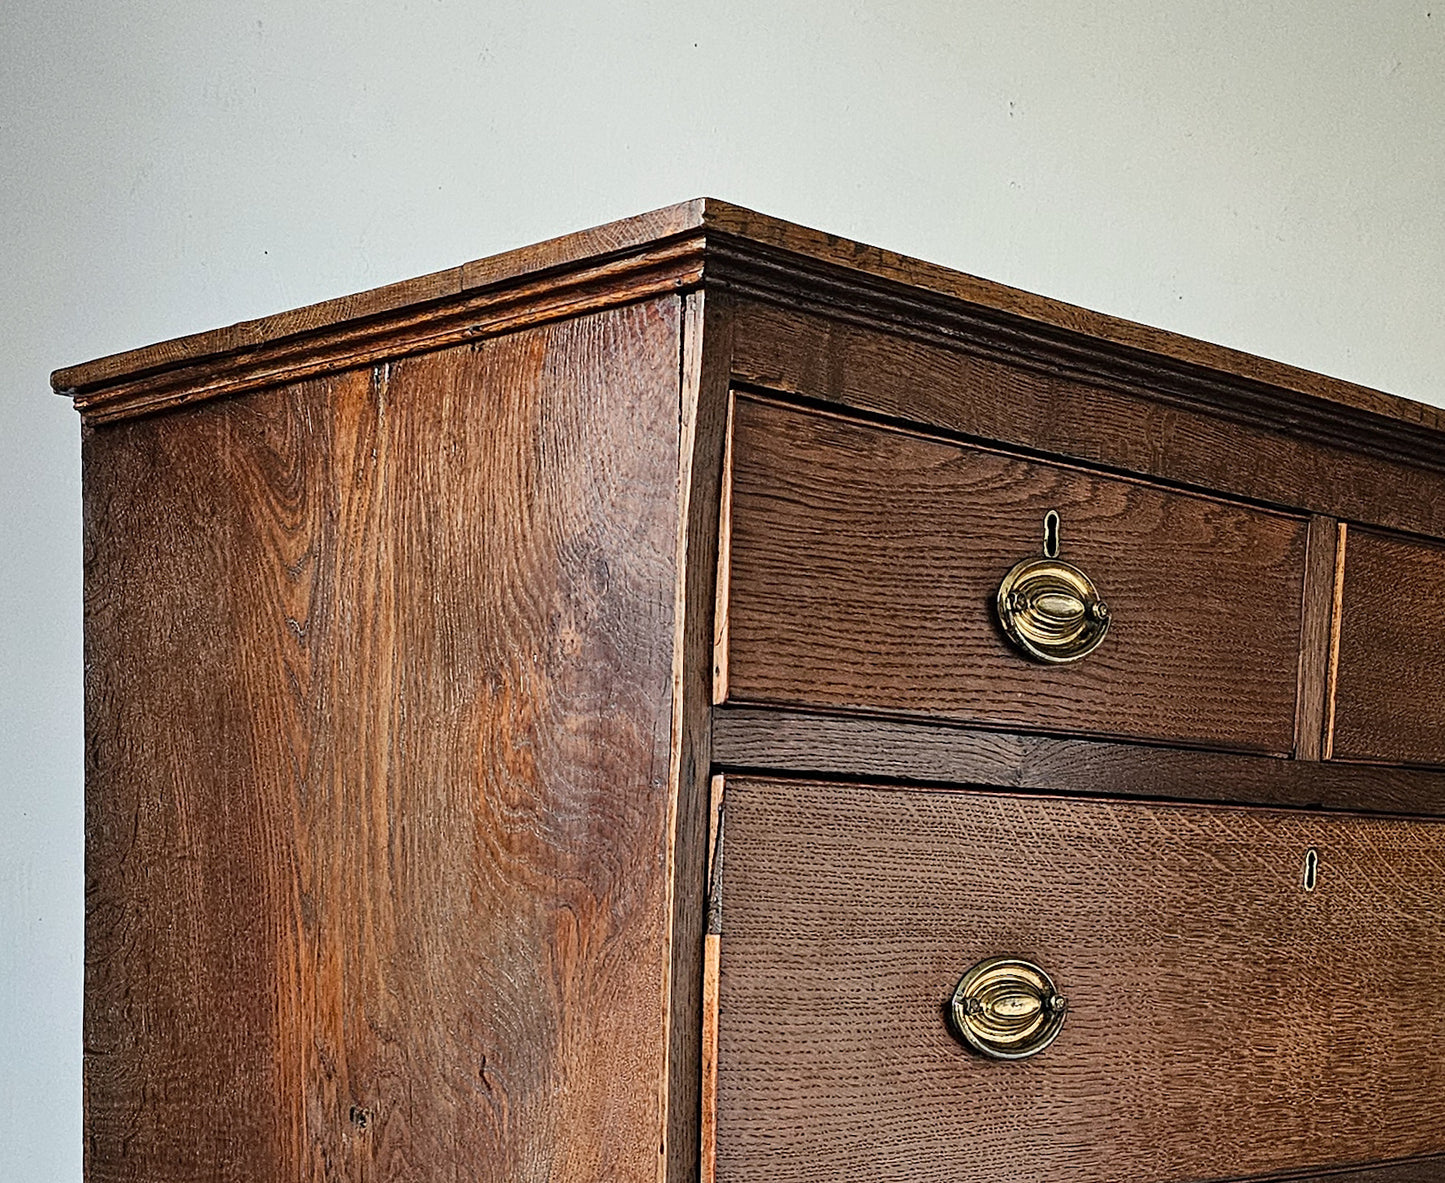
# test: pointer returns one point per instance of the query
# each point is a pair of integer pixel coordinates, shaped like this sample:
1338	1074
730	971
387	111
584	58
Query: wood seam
749	249
1336	615
1392	426
897	377
1314	657
689	350
667	267
712	961
780	742
722	605
845	413
705	370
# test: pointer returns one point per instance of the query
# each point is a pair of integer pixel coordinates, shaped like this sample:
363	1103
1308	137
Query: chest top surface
692	243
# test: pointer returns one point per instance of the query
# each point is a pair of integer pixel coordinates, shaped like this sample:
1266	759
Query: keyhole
1312	868
1051	534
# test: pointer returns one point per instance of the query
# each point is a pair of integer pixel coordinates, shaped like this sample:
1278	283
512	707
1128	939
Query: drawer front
1390	684
861	563
1222	1020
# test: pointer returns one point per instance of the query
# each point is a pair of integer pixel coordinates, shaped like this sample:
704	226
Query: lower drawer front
1222	1020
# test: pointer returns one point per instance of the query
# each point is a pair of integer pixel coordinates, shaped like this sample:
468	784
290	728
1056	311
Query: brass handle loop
1007	1008
1049	608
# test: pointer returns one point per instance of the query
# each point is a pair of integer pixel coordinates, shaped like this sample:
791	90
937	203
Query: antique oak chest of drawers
700	698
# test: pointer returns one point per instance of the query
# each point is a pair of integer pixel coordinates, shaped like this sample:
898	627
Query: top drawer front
1389	693
861	562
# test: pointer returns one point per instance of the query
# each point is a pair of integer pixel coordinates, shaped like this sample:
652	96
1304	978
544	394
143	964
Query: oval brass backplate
1052	610
1007	1009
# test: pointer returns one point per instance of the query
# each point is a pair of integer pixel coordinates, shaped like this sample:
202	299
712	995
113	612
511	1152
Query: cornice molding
749	269
662	266
708	242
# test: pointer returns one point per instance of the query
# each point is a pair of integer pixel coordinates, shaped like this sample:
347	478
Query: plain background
1267	175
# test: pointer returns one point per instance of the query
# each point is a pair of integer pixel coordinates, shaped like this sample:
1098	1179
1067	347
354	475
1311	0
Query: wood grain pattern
734	227
863	562
722	612
553	257
711	960
1316	662
760	739
1389	698
749	252
665	267
378	753
954	382
703	401
1337	607
401	724
1423	1170
1223	1021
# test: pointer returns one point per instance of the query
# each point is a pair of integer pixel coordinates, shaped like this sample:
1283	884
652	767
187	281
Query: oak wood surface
703	402
1422	1170
742	244
400	723
913	372
1389	694
378	755
712	952
1312	706
1337	607
555	255
1223	1021
761	739
863	561
409	330
751	230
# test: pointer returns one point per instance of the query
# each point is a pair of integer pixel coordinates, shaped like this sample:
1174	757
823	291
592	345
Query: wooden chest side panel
378	749
863	562
1223	1021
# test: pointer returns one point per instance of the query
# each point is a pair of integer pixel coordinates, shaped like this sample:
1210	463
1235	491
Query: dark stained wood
1316	640
750	252
702	417
1337	605
555	257
402	619
712	953
1424	1170
1223	1021
721	644
738	234
749	249
1389	695
951	383
378	769
759	739
863	563
410	330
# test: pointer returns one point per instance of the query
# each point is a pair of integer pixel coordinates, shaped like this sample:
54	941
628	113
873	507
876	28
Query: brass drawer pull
1007	1009
1049	608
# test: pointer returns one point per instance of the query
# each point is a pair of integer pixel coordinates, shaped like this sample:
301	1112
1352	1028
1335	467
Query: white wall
1269	175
